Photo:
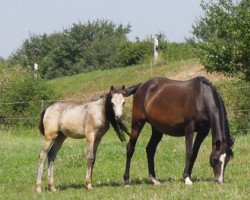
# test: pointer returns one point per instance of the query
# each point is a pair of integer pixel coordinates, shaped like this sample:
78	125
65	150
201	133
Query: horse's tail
41	125
222	114
132	89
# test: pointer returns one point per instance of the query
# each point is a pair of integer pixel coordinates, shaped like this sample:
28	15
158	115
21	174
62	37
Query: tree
81	48
222	37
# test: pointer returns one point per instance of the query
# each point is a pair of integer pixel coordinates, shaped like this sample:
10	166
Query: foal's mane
118	125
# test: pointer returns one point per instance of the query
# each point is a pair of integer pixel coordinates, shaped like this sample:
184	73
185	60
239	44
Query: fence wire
45	103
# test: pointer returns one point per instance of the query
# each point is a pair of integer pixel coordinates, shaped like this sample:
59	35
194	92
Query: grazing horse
90	121
180	108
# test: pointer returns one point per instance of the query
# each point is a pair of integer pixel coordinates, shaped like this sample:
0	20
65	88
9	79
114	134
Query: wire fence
244	126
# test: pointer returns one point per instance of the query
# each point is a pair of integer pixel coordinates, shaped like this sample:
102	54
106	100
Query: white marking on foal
118	101
222	159
188	181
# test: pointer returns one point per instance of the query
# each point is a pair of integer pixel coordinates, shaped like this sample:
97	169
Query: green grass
19	163
101	80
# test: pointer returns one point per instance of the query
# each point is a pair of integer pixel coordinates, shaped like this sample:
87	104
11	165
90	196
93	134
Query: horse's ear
123	89
217	145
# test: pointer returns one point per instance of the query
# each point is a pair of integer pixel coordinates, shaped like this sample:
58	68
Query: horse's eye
213	162
123	103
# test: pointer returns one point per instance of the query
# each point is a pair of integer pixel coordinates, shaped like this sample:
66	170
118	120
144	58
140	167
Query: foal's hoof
53	189
39	190
89	186
188	181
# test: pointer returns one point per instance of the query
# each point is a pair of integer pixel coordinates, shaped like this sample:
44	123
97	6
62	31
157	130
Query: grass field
19	161
19	149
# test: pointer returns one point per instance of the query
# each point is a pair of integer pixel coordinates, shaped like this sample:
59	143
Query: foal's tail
41	125
222	117
132	89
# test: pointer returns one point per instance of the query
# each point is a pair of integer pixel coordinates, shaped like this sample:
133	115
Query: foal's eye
123	103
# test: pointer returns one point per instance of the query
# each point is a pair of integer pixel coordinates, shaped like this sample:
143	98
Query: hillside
87	85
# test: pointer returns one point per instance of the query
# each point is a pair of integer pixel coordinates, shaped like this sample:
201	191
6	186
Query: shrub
21	93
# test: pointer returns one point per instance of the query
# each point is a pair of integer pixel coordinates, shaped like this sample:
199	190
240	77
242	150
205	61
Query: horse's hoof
89	187
127	183
155	181
188	181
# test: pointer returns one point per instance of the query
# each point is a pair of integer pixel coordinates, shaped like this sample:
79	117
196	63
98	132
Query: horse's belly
172	130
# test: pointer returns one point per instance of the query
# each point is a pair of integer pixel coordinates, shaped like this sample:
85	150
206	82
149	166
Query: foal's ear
112	89
217	145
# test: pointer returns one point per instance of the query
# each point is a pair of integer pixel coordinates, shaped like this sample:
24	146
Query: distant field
19	162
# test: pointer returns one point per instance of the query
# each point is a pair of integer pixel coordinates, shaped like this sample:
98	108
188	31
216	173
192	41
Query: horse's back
169	104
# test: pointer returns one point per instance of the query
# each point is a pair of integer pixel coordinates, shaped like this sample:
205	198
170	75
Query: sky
21	18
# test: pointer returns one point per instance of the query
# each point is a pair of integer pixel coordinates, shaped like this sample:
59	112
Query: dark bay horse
90	121
180	108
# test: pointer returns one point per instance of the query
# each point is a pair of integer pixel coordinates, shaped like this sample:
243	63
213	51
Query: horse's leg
51	158
197	143
92	145
136	129
151	149
189	134
42	158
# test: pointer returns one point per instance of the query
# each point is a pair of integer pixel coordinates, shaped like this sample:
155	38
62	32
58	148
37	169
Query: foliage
83	47
222	36
132	53
236	94
92	46
21	92
176	51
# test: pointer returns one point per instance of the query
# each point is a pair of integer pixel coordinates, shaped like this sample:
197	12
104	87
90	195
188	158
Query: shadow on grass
144	181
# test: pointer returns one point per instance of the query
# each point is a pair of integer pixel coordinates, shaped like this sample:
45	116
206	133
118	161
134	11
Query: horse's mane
223	114
118	125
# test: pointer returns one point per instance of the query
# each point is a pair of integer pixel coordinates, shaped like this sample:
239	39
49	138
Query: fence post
42	105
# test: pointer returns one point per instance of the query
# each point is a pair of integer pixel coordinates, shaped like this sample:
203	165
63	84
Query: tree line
85	47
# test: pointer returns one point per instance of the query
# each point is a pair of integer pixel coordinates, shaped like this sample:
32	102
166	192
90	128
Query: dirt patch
191	71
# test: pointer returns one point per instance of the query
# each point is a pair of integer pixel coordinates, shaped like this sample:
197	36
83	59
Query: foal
90	121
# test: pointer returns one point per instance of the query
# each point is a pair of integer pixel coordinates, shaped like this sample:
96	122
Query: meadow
20	147
19	162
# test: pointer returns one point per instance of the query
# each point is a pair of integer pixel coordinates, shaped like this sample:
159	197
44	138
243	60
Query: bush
222	37
21	93
132	53
176	51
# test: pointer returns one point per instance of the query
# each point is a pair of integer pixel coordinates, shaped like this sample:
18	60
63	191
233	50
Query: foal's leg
189	134
43	155
197	143
151	148
136	129
51	158
92	145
